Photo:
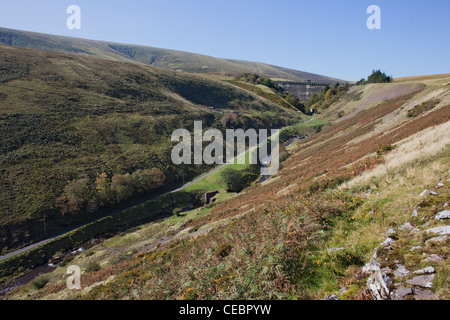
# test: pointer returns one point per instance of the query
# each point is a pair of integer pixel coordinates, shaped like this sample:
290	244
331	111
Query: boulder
400	293
390	231
425	281
443	215
423	294
387	242
436	239
407	226
378	284
433	258
372	265
401	271
427	270
439	230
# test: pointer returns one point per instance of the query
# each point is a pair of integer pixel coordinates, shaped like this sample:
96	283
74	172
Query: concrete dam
302	90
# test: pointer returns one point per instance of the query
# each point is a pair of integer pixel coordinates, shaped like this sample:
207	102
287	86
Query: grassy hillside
81	135
307	231
162	58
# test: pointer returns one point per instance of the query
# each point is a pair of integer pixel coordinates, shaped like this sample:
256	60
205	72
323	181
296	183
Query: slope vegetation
305	232
162	58
80	135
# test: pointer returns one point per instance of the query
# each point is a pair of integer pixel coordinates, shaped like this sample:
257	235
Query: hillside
81	135
161	58
308	231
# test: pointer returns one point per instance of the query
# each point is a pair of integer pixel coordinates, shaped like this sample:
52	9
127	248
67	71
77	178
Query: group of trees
257	79
376	77
326	96
84	195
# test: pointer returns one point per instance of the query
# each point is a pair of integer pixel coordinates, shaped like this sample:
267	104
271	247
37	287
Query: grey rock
386	270
407	226
434	193
371	267
423	193
440	184
415	248
331	297
387	242
425	281
439	230
415	230
423	294
343	290
389	232
427	270
336	249
443	215
436	239
433	258
414	213
378	284
401	271
400	293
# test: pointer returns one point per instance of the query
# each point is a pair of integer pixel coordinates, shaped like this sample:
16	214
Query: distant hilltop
161	58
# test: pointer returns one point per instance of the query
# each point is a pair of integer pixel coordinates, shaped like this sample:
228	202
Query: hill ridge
171	59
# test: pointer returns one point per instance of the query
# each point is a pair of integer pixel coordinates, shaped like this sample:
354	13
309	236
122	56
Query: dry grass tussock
428	142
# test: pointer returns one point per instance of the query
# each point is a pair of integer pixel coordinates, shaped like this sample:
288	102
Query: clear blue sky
327	37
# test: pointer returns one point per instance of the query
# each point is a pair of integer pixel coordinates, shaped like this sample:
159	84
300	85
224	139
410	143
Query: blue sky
327	37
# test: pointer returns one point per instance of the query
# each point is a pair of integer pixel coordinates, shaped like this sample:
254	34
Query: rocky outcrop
392	273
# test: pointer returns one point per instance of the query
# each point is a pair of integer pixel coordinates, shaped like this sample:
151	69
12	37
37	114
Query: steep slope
305	232
70	123
162	58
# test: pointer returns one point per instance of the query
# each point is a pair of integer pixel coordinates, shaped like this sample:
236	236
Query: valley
361	193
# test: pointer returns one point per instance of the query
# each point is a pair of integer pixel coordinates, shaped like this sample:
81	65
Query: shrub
421	108
92	267
39	283
177	211
384	148
223	250
327	184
